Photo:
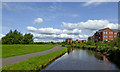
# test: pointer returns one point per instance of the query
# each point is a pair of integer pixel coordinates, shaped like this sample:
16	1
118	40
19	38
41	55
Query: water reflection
99	56
102	57
77	59
69	50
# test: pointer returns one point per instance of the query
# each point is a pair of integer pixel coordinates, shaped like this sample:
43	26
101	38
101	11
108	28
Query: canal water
78	59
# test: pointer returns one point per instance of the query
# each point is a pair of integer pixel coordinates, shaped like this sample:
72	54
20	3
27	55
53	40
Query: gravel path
16	59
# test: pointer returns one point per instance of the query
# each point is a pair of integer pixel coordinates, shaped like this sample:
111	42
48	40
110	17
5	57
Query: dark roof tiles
114	30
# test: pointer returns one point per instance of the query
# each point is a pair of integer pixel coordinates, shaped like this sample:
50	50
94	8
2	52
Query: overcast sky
56	21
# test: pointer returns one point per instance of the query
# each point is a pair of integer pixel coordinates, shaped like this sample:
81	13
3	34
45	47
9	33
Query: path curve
16	59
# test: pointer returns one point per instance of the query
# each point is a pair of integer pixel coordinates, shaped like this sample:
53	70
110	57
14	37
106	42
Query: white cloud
74	31
97	2
69	25
50	31
1	35
80	30
51	34
44	30
31	28
83	36
112	26
90	24
38	21
56	38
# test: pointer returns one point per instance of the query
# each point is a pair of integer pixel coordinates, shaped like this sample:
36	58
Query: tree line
115	42
91	42
15	37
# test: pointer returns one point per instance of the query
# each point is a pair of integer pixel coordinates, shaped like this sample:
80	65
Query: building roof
114	30
69	38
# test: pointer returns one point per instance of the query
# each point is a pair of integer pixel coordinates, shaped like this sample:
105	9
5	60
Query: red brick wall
108	35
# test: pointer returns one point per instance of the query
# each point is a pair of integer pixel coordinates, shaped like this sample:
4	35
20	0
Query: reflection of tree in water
101	57
98	56
69	50
90	52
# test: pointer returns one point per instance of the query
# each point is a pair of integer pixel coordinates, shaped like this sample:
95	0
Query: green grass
35	63
14	50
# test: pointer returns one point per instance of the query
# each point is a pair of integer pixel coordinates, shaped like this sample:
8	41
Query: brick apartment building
106	34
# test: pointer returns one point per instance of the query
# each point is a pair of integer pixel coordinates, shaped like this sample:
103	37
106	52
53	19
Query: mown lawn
14	50
35	63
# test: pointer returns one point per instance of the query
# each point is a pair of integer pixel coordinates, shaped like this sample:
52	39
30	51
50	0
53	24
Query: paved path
16	59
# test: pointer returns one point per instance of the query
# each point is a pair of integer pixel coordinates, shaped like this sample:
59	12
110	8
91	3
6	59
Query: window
111	32
110	36
115	33
104	36
104	32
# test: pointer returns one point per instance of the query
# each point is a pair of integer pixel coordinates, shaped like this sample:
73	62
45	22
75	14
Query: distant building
106	34
78	41
69	40
84	41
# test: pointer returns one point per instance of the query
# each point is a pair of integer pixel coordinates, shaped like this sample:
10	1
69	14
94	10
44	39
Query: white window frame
115	33
104	36
106	32
109	36
111	32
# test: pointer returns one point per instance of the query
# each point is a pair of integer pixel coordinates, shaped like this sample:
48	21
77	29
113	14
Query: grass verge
36	63
14	50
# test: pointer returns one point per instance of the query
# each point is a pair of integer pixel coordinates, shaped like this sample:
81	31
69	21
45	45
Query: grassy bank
36	63
14	50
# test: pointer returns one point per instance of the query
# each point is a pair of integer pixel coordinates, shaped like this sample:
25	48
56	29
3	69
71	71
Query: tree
27	39
15	37
90	41
117	41
12	38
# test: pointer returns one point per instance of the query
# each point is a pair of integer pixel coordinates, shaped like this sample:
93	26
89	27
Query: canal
78	59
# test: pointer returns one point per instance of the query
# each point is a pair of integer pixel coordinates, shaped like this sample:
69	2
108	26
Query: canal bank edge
26	65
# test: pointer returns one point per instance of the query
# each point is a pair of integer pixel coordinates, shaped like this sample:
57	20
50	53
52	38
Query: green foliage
27	39
90	41
40	43
117	41
15	37
100	44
